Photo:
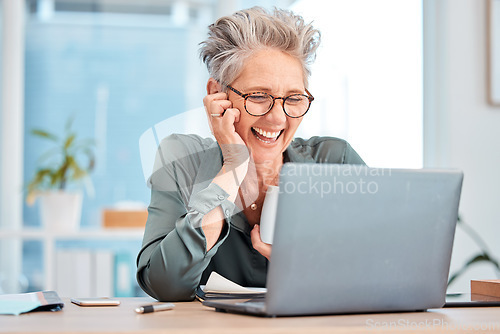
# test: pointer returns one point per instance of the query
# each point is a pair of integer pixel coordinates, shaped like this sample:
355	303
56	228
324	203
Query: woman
207	196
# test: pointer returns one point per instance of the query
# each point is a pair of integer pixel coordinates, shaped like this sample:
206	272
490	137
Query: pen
154	308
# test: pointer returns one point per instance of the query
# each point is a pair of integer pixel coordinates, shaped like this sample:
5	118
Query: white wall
461	129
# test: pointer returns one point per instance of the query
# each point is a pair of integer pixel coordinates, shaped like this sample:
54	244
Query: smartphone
95	301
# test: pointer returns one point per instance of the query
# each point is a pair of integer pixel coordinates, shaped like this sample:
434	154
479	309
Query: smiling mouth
267	137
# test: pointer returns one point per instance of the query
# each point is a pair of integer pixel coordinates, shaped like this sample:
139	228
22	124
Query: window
367	79
117	75
118	67
122	66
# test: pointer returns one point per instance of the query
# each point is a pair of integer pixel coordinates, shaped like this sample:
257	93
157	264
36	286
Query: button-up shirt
174	260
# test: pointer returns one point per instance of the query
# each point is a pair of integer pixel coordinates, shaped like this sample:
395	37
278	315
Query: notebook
353	239
219	287
16	304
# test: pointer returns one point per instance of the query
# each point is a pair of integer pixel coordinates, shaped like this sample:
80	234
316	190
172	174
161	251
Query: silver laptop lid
357	239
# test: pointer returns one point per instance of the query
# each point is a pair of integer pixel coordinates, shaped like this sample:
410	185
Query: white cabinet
51	239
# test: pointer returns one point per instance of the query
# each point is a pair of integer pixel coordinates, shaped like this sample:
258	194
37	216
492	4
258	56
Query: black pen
154	308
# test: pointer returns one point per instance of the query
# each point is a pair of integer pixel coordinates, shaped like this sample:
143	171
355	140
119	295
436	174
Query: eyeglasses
260	103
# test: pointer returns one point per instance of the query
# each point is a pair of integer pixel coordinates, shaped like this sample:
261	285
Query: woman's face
278	74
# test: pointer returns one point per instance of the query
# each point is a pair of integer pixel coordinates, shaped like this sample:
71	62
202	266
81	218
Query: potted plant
484	255
70	161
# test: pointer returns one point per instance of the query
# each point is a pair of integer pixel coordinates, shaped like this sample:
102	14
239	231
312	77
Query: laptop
353	239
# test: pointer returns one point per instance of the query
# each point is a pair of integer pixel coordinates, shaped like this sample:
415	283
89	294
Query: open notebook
219	287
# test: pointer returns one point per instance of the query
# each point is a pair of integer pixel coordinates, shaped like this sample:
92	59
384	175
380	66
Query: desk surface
192	317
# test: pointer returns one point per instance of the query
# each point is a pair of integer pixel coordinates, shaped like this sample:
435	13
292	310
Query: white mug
268	215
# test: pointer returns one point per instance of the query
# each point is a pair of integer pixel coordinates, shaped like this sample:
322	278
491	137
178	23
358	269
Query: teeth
267	134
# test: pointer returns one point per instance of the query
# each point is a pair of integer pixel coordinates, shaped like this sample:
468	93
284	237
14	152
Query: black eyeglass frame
245	96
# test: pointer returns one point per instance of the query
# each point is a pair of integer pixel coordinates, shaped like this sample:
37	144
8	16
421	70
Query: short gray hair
232	39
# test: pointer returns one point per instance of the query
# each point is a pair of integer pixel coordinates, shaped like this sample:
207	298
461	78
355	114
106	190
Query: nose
277	115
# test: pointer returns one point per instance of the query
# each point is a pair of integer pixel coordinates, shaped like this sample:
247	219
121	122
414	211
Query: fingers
222	118
258	244
230	116
215	107
216	104
212	97
224	129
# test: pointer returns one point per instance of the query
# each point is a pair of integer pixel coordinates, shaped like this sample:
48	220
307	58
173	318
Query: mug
268	215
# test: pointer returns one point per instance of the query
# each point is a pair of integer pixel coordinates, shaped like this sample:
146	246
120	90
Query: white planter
60	210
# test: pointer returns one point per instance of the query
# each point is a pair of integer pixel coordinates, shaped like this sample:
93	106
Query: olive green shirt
173	260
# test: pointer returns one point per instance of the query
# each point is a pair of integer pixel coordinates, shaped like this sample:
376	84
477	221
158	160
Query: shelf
49	238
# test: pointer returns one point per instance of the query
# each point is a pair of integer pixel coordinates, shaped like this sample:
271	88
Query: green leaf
69	141
78	172
455	276
69	159
40	176
483	257
478	258
58	179
44	134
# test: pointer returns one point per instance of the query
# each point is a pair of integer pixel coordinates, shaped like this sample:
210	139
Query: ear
213	86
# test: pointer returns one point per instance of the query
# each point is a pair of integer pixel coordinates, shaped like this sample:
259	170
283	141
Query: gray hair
232	39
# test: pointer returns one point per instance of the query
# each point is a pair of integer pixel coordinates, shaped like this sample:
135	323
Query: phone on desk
95	301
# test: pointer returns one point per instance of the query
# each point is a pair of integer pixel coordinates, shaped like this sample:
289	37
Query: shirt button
227	212
220	197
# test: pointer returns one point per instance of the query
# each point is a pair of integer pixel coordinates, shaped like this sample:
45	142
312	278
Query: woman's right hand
222	118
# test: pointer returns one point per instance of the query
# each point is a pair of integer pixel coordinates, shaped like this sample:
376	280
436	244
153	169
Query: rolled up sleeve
173	257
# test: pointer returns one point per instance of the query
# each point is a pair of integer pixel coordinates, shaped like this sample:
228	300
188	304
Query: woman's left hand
258	244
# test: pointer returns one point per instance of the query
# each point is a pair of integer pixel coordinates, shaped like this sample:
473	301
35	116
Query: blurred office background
405	82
